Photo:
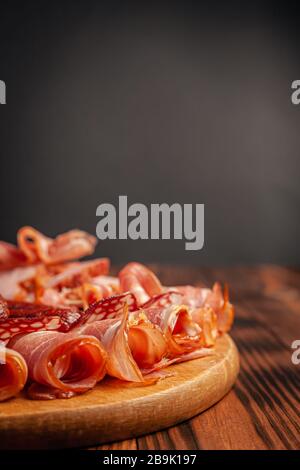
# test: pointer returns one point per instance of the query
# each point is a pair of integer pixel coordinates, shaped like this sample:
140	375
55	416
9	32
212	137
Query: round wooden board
114	411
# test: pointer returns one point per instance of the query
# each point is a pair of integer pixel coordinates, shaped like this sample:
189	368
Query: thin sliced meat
168	361
26	318
113	307
10	281
193	296
4	311
140	281
10	256
147	343
77	273
113	334
176	323
206	318
164	300
215	299
13	373
68	246
62	364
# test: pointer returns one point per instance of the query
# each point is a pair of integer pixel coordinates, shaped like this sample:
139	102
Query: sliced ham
13	373
62	364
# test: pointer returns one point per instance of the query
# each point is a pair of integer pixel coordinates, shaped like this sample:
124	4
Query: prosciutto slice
61	364
113	334
131	344
68	246
140	281
10	256
210	300
13	373
11	281
175	321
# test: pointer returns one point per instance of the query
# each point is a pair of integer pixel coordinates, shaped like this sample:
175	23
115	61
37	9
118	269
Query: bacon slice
68	246
27	318
141	281
62	364
13	373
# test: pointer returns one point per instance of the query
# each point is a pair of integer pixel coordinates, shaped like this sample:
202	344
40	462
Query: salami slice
111	307
27	318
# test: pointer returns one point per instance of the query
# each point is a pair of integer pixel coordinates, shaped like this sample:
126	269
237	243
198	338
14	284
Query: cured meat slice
164	300
10	256
206	318
214	299
13	373
10	281
27	318
113	334
112	307
147	343
62	364
141	281
77	273
4	311
181	332
131	344
193	296
68	246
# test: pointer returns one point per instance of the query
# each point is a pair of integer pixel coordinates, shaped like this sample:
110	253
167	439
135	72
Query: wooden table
262	411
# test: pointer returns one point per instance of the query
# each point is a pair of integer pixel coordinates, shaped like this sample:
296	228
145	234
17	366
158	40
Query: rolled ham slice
62	364
13	373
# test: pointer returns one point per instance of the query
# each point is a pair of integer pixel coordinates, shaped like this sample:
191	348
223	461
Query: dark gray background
174	102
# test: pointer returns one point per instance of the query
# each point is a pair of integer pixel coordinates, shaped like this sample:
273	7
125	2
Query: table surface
262	411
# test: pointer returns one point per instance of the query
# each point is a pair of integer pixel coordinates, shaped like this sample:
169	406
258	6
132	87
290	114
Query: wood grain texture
115	410
263	409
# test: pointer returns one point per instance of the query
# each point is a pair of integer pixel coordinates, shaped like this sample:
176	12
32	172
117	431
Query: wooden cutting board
114	411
